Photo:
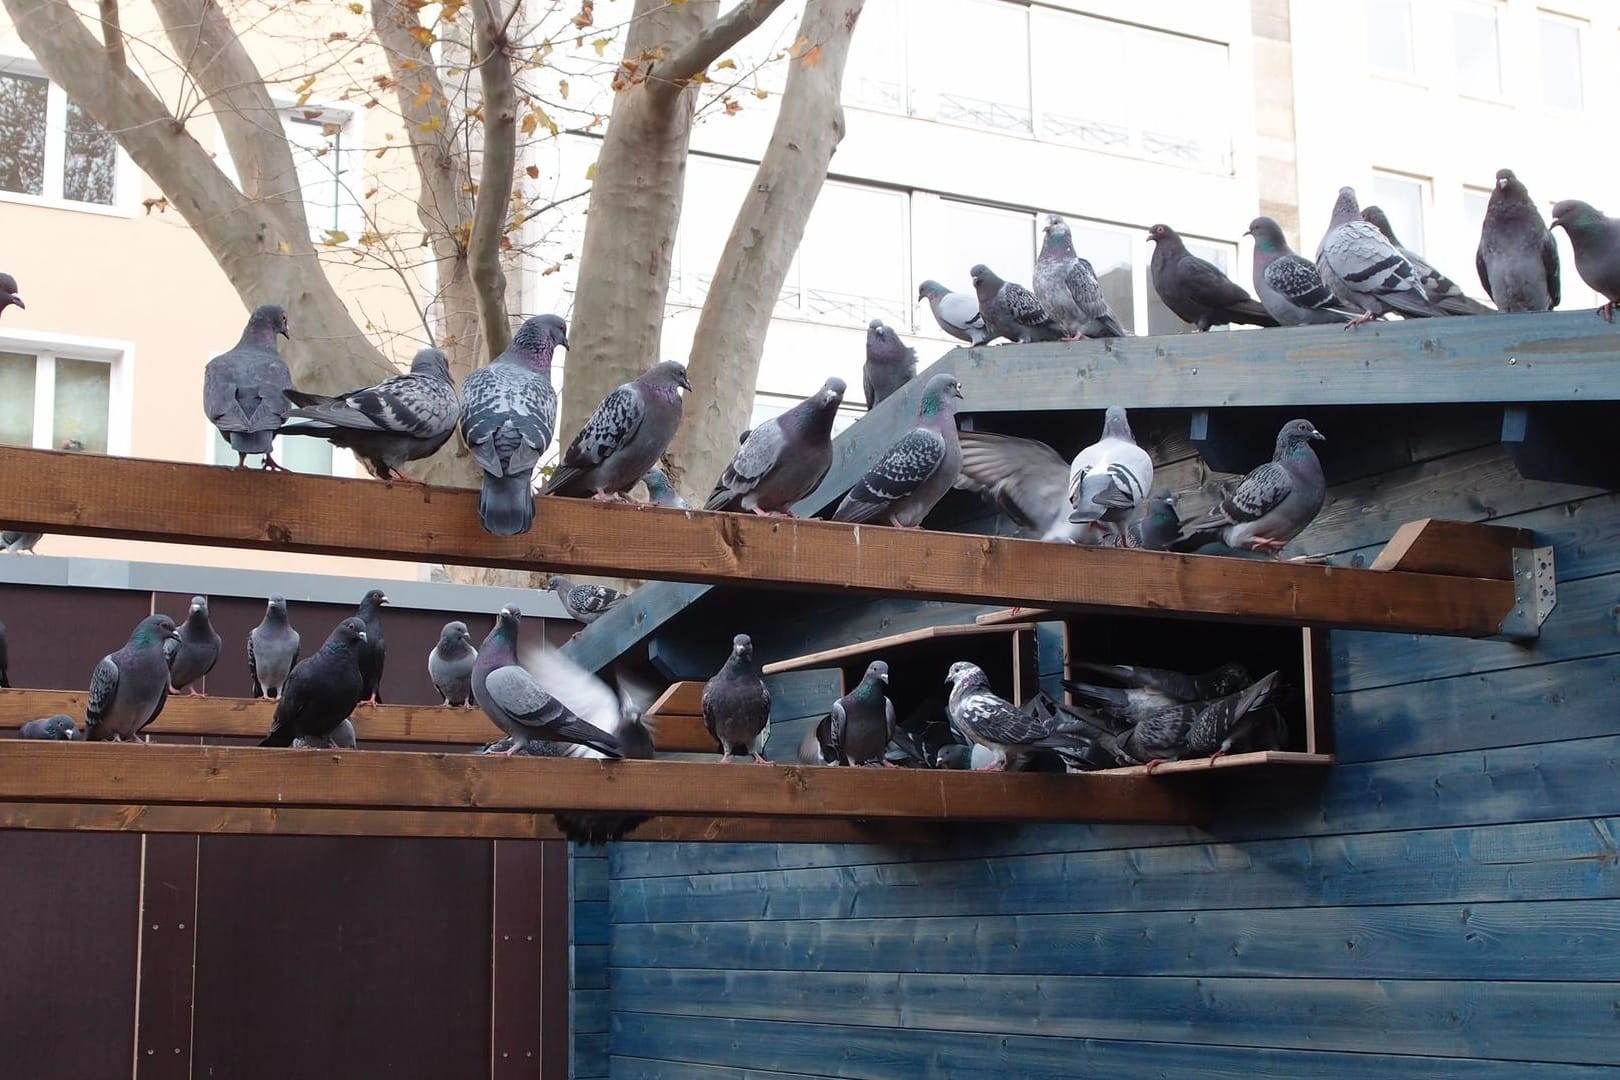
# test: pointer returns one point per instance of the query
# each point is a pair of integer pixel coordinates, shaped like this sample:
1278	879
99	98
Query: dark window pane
22	134
90	172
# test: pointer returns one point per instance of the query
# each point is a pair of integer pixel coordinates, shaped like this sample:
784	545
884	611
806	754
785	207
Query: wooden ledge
1256	759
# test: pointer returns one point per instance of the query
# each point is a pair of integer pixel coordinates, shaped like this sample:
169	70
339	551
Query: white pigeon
1111	478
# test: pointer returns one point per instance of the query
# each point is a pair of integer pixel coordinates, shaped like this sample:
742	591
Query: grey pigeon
245	388
1158	524
57	727
1274	503
1195	289
128	687
584	603
1179	731
5	660
341	738
195	652
1517	258
403	418
1012	311
22	543
956	313
917	471
986	720
508	415
323	689
8	293
1110	479
1364	269
1027	481
1288	284
373	648
890	363
272	650
1225	722
516	702
863	719
1596	240
783	459
450	665
660	492
1446	294
1177	686
737	704
1068	287
624	438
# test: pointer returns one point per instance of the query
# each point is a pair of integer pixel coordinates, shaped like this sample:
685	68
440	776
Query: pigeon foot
759	758
514	748
1364	317
272	465
725	757
1606	312
194	692
1155	763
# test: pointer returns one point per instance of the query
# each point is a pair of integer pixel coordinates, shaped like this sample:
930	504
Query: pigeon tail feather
506	504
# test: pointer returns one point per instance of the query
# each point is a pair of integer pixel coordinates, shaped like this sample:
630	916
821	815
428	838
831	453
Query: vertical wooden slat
554	959
1319	696
167	958
516	954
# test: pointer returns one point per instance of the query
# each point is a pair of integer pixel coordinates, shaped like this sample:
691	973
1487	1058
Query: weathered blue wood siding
588	961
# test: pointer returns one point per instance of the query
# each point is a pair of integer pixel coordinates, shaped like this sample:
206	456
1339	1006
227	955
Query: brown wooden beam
1460	548
94	495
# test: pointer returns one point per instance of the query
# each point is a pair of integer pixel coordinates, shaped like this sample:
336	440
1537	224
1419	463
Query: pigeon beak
884	676
18	301
562	338
361	635
683	380
384	600
956	392
1317	436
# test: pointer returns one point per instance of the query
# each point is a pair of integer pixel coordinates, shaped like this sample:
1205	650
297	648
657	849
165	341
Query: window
1402	199
49	147
1474	202
1479	64
989	95
1562	85
1389	36
714	193
327	153
298	453
48	397
1003	240
875	73
839	287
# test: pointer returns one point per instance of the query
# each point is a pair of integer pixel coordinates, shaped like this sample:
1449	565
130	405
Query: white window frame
352	219
126	178
1583	30
1425	186
1415	70
119	356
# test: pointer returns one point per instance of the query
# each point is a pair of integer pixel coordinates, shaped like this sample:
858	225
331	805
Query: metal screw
1512	360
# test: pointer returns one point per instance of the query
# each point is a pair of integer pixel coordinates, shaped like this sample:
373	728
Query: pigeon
863	719
1159	524
194	653
1228	720
508	415
816	746
1012	311
890	363
737	704
956	313
128	687
272	650
917	471
8	293
1168	735
1446	294
403	418
245	388
1111	478
5	660
1025	479
1517	258
1124	704
341	738
1364	269
1068	287
597	829
783	460
624	438
450	666
660	492
1195	289
584	603
1288	284
1596	240
1177	686
994	723
373	649
58	727
519	705
1274	503
322	690
22	543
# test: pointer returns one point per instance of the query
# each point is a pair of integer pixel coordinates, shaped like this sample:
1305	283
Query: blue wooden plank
590	1057
643	611
590	1011
587	873
590	967
590	924
632	1068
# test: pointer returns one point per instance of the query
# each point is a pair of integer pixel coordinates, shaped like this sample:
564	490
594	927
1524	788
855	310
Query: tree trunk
730	337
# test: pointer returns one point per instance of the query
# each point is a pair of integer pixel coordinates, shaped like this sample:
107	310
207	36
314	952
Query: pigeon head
276	605
883	345
264	324
742	647
1296	435
954	756
985	282
1509	184
8	293
1058	240
1268	236
558	584
1116	425
199	604
538	338
931	290
877	670
60	727
658	485
1163	234
940	396
346	635
1375	216
432	362
1576	216
1229	678
373	600
964	675
832	392
153	630
1162	508
1346	208
507	622
453	636
667	375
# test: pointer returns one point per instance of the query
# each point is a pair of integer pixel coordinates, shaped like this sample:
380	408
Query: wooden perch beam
137	499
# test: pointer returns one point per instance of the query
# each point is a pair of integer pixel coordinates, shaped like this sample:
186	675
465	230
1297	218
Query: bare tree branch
112	34
716	39
492	54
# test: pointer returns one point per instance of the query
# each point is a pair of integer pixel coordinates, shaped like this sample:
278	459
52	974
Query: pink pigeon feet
1606	312
514	748
1217	754
1154	764
725	757
759	759
370	701
1364	317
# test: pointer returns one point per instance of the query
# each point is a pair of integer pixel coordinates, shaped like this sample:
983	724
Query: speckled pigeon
341	738
1596	240
956	313
508	415
624	438
1195	289
916	472
1027	481
1365	271
1068	287
783	459
59	727
660	492
1177	686
584	603
373	648
272	650
1274	503
403	418
1444	293
323	689
450	665
1110	479
986	720
890	363
1288	284
8	293
863	719
519	705
5	660
737	704
1158	524
245	388
128	687
1168	735
1517	258
194	653
1012	311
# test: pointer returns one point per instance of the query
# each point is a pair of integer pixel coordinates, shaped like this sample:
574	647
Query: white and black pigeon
1027	481
1067	287
1446	294
990	721
1273	504
404	418
1517	258
625	437
737	704
783	459
1012	311
128	687
1109	480
584	603
1596	240
1288	284
508	415
322	691
520	705
1196	290
1364	269
272	650
890	363
193	654
59	728
660	492
245	388
917	471
450	665
956	313
862	721
8	294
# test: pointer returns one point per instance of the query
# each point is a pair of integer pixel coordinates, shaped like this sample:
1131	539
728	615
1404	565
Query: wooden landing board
379	780
200	504
1287	758
1431	546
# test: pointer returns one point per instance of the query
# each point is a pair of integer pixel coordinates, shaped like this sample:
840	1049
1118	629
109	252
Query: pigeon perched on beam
1110	479
272	650
245	388
956	313
1195	290
1288	284
584	603
1272	504
128	687
737	704
625	437
1364	269
1012	311
890	363
1157	525
508	415
1446	294
1596	240
8	294
917	471
59	728
1068	287
783	459
862	721
323	689
517	703
373	647
1517	258
450	665
193	654
986	720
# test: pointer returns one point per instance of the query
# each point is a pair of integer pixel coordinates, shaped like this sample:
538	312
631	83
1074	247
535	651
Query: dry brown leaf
587	14
533	171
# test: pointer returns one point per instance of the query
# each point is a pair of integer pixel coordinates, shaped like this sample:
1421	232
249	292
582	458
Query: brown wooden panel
1432	546
57	636
168	955
515	940
682	734
680	699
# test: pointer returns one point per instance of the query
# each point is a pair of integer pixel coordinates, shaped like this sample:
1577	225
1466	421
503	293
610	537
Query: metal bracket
1535	593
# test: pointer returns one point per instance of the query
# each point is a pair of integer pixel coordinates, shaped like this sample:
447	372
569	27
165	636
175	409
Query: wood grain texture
1431	546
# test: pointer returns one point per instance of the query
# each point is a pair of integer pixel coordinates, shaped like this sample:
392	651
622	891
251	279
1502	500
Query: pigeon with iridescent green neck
863	719
1287	284
660	492
1272	504
1158	526
625	436
59	727
917	471
1596	240
128	687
